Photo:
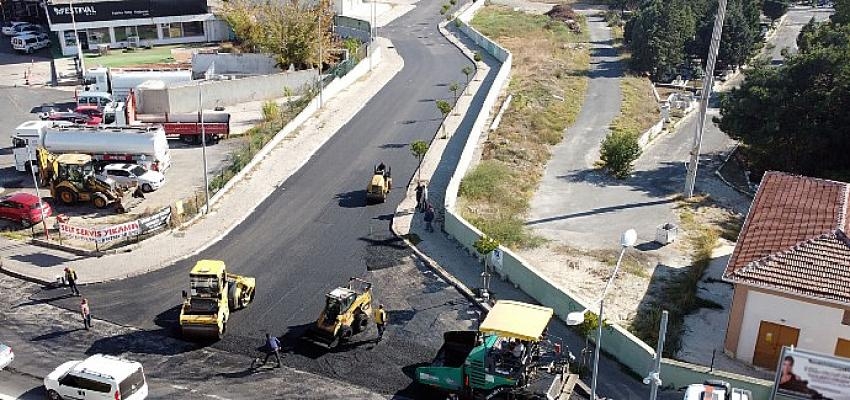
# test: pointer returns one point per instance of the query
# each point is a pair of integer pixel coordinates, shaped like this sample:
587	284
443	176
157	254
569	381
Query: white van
97	377
97	99
30	42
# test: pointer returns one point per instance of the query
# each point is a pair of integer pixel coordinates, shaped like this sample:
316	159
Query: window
132	383
99	35
70	38
90	384
123	32
172	30
195	28
846	319
147	32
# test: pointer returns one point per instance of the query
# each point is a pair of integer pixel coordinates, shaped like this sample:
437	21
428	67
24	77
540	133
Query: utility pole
203	149
654	378
707	84
321	36
37	192
77	38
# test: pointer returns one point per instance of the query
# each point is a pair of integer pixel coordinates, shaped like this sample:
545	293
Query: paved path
786	35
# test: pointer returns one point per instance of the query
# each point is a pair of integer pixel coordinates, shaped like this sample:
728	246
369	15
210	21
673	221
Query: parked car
6	355
23	208
25	28
97	377
30	42
716	390
9	27
130	174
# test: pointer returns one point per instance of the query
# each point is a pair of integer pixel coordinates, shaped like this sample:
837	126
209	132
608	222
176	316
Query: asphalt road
316	231
786	36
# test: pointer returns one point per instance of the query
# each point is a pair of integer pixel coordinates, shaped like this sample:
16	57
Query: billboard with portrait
804	375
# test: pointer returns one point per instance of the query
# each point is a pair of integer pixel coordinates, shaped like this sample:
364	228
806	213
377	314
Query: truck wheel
26	223
52	395
67	196
146	188
345	333
188	139
361	322
99	202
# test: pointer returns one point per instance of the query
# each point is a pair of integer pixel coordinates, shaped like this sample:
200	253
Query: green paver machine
509	357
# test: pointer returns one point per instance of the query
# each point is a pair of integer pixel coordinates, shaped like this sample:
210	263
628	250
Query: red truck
186	127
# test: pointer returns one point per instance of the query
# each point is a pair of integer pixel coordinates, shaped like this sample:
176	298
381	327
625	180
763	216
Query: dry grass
638	111
634	263
548	83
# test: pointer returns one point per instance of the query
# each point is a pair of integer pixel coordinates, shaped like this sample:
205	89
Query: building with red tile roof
791	271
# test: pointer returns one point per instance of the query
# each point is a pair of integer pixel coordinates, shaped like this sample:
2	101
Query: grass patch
638	111
680	297
117	57
548	83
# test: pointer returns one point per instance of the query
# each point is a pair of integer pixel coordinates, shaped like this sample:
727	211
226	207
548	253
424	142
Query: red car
23	208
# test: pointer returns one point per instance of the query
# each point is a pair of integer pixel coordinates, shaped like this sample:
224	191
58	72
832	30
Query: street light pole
627	239
707	84
77	37
204	149
321	36
654	378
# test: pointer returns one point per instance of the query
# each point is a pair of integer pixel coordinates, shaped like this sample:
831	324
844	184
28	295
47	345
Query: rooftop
794	239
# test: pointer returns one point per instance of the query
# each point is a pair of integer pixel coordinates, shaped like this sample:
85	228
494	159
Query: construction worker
273	344
86	313
380	321
71	278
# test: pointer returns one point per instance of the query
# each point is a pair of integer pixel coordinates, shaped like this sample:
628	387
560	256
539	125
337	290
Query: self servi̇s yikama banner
99	235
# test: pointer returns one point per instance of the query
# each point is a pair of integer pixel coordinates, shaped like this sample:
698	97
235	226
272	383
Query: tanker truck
120	81
143	145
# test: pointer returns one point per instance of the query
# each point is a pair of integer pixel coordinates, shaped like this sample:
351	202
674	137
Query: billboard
803	375
99	235
123	9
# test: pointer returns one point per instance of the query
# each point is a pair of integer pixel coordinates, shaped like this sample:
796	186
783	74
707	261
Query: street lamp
654	377
77	37
203	149
627	239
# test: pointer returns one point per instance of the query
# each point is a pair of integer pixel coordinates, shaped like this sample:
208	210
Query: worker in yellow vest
380	321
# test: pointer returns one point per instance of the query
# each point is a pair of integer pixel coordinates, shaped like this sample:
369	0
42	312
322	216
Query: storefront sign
126	9
99	235
156	221
806	375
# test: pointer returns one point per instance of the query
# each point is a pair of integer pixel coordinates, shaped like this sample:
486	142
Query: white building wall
820	326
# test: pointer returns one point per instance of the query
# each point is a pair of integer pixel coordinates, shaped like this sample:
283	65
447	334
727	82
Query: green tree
775	9
658	34
484	246
619	150
740	33
289	30
419	148
467	70
454	88
842	12
444	107
794	117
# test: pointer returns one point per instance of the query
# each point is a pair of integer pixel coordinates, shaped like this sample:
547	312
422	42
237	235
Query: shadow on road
353	199
414	390
42	260
51	295
156	341
54	335
600	210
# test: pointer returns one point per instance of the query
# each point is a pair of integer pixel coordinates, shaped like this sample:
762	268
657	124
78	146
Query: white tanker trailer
145	146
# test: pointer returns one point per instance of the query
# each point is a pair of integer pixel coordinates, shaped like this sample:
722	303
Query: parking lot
21	103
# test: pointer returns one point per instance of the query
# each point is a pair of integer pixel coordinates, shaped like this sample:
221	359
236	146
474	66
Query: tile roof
794	239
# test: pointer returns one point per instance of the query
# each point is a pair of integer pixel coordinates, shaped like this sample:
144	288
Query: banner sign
99	235
803	375
156	221
125	9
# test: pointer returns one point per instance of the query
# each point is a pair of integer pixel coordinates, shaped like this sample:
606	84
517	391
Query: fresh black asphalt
315	231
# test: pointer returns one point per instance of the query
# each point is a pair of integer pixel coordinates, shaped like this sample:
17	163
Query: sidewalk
463	270
41	265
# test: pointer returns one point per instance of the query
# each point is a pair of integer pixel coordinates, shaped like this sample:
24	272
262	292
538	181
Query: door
83	37
769	343
842	348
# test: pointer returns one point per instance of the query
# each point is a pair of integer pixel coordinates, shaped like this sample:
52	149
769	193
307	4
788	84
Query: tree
291	31
842	12
793	117
775	9
740	33
418	149
454	87
619	150
467	70
484	246
477	56
658	34
444	108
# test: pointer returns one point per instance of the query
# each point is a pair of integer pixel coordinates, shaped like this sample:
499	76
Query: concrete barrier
233	63
617	341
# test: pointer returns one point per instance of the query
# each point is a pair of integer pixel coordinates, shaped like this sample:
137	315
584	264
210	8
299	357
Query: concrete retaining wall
651	133
184	98
228	63
619	343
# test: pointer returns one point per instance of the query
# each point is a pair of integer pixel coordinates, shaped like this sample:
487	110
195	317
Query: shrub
477	56
271	111
619	150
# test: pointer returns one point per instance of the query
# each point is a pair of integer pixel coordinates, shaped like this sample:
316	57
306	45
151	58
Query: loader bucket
320	337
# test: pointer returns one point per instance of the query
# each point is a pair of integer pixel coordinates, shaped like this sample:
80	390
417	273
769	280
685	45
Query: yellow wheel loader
72	180
213	294
347	312
380	185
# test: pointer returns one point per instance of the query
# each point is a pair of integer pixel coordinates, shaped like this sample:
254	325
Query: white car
97	377
130	174
716	390
30	42
9	27
6	355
